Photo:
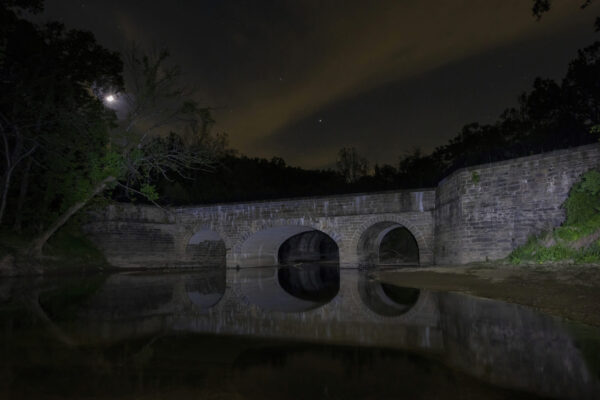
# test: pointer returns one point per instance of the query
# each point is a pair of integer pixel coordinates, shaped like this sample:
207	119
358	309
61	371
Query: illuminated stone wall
486	211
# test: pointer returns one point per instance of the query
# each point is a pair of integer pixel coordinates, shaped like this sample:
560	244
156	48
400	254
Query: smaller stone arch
367	237
205	246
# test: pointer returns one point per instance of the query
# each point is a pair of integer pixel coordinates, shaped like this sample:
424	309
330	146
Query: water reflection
254	326
386	300
288	288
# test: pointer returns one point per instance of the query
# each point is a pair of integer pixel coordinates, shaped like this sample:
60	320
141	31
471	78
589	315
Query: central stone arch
367	238
260	246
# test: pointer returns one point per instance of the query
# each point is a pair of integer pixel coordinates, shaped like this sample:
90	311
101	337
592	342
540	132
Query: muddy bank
568	291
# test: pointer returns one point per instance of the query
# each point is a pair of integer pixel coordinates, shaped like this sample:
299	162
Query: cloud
346	49
269	67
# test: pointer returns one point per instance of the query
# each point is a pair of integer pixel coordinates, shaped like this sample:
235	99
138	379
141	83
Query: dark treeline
552	115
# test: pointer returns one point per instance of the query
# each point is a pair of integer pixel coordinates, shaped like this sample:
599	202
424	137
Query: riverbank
567	291
69	251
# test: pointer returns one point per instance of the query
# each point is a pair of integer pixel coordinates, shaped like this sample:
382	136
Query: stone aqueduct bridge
253	232
477	213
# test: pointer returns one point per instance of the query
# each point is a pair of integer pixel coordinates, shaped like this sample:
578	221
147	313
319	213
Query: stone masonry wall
128	237
486	211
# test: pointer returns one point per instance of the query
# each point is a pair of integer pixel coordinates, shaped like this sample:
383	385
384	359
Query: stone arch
259	246
312	246
205	243
386	223
191	230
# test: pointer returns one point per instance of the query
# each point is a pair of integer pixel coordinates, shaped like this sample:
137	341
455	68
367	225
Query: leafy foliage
583	221
583	203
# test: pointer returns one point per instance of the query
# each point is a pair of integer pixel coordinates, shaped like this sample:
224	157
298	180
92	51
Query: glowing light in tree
110	98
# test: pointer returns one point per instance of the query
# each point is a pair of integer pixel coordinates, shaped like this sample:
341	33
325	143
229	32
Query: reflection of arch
205	246
385	299
288	289
367	238
205	289
260	247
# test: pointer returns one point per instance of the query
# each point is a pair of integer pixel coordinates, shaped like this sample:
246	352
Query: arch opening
311	246
388	243
205	248
289	244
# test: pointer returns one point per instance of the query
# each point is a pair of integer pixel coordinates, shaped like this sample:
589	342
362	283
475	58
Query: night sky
301	79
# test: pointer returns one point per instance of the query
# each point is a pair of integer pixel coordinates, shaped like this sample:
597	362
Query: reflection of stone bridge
253	302
252	234
504	344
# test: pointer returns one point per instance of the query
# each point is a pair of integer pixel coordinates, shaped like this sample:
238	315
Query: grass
566	243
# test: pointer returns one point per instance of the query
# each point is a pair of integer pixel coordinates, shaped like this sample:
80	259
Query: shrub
583	202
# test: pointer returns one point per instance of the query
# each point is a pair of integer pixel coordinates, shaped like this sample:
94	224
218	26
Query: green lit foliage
142	146
149	191
583	203
564	242
535	251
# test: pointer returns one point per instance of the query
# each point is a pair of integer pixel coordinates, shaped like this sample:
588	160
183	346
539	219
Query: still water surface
309	331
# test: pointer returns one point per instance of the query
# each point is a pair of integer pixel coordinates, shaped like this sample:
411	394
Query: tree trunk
5	187
22	195
35	249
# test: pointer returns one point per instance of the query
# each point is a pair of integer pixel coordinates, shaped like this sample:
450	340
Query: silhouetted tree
157	103
351	165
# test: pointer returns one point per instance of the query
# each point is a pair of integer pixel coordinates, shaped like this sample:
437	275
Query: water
308	331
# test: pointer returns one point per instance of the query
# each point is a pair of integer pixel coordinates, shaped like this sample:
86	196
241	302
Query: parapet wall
486	211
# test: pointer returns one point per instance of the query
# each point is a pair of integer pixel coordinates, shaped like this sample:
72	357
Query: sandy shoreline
568	291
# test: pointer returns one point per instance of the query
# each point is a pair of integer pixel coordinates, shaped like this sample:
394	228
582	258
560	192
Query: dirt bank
568	291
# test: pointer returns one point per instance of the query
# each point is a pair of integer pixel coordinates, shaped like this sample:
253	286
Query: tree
163	132
540	7
351	165
45	75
